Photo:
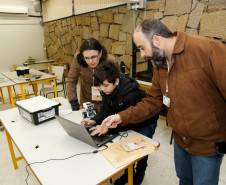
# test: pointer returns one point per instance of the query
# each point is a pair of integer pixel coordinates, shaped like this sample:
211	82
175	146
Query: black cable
93	152
125	134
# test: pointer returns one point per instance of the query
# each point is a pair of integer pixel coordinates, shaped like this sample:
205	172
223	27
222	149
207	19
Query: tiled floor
161	170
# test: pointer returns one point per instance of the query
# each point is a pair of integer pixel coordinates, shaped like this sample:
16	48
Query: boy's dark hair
106	71
91	44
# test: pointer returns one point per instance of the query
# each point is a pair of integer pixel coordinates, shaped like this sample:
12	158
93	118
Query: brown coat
86	82
197	92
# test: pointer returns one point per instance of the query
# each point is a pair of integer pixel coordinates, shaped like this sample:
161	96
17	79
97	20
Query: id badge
166	101
96	93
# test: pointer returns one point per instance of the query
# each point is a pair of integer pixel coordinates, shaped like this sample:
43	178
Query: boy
120	92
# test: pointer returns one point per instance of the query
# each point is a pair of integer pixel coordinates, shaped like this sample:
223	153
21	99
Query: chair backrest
58	71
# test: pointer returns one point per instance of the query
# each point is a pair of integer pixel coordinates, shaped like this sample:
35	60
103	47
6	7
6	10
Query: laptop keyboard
99	139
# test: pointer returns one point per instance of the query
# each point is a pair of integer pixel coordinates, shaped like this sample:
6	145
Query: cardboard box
38	109
64	64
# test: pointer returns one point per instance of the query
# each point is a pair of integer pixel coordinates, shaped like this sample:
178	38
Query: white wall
56	9
20	37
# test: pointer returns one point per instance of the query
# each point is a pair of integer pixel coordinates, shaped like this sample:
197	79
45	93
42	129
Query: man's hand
112	121
99	129
88	122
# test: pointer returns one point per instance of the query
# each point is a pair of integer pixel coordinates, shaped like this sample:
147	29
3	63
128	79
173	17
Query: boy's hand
88	122
100	130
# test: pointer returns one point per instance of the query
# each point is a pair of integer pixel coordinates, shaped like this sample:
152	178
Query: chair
58	71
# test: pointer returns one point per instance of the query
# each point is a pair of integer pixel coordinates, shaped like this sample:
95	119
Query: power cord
125	134
93	152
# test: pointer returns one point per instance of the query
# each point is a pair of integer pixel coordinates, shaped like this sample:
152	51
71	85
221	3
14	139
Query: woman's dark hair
151	27
91	44
106	71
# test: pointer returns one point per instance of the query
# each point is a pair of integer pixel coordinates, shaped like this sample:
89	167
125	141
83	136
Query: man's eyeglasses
94	57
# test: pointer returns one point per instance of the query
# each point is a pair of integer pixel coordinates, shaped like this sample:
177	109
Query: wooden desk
54	143
5	82
23	81
41	65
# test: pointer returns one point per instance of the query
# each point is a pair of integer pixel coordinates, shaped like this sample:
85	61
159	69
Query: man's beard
158	56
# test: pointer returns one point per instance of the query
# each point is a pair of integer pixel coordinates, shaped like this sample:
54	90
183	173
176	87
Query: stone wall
114	27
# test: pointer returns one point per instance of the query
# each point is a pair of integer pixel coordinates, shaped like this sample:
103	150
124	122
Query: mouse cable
93	152
125	134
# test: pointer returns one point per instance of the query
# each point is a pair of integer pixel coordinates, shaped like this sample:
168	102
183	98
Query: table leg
55	88
35	86
130	175
22	91
2	97
14	159
11	96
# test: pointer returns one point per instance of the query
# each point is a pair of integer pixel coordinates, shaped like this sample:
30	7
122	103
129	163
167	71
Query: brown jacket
197	92
86	78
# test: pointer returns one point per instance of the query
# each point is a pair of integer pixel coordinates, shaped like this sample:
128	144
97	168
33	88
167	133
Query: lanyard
93	70
168	66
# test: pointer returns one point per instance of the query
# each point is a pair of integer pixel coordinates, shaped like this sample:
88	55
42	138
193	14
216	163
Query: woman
91	54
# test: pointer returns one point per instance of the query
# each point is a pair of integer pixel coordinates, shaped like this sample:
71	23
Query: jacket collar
180	42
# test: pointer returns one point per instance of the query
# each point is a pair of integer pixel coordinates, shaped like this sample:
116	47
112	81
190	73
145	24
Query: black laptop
82	133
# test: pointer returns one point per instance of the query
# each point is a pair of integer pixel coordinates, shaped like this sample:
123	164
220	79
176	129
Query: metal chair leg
171	139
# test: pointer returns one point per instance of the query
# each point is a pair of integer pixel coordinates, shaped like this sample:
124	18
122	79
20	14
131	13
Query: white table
24	81
5	82
54	143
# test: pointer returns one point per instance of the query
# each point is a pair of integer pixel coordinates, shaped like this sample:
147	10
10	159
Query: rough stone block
78	20
170	22
127	25
74	46
94	19
104	30
67	49
99	13
74	31
158	15
114	31
195	16
68	37
64	22
119	48
182	22
87	32
153	5
63	40
162	5
146	15
122	9
119	18
85	21
107	43
107	17
177	7
129	44
191	31
94	26
142	67
213	24
96	35
122	36
73	22
216	4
